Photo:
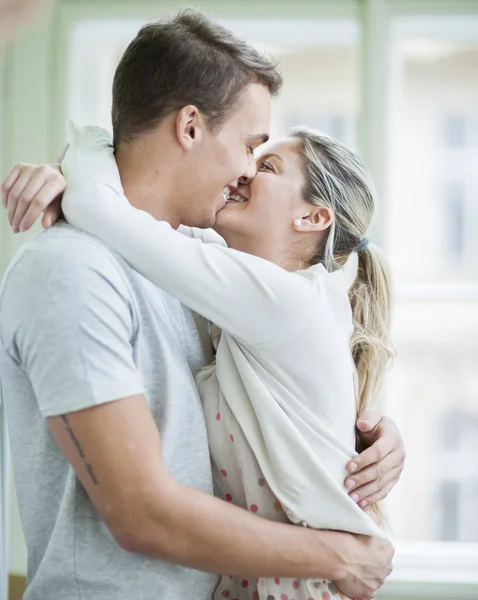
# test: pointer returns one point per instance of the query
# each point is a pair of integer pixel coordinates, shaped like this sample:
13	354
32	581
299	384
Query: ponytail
370	297
338	179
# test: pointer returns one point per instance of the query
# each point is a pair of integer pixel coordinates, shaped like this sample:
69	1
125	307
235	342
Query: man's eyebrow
259	137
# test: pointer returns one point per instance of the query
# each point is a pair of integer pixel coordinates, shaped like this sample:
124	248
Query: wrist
339	547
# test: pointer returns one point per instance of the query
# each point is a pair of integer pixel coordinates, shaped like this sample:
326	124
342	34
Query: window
459	188
455	494
339	126
432	220
319	63
454	130
454	219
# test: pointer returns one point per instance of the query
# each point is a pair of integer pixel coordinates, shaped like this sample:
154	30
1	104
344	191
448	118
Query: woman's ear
319	218
189	126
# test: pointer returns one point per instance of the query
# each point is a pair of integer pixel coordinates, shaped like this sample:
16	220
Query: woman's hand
28	191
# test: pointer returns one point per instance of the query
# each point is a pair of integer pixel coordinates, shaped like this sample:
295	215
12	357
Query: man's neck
148	182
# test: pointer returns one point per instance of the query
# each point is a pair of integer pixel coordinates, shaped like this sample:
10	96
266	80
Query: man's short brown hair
187	59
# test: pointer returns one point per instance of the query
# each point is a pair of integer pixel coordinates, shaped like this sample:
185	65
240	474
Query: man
108	438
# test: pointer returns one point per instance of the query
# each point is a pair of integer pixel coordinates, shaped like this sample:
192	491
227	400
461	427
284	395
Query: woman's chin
228	220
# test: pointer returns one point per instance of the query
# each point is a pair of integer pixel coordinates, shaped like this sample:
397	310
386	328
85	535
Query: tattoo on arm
79	449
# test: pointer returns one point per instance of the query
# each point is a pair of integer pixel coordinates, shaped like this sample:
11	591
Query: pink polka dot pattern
255	595
244	583
231	437
271	597
228	497
295	584
262	481
284	597
325	596
332	589
253	508
277	581
224	472
218	417
225	594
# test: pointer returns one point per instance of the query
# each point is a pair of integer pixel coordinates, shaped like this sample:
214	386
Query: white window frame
435	570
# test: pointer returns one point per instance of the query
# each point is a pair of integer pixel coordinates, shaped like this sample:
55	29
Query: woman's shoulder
330	290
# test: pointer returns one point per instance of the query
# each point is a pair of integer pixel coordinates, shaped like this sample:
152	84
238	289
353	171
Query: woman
299	353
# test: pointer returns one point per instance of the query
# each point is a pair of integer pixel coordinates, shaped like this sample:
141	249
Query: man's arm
116	453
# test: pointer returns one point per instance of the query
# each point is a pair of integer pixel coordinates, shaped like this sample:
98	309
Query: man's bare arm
116	453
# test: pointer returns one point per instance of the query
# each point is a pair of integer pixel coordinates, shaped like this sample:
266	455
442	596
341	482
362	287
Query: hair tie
363	244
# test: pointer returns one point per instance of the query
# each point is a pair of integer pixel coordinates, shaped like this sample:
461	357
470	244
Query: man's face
226	158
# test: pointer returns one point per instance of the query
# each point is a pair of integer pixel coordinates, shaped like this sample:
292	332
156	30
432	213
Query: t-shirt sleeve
66	319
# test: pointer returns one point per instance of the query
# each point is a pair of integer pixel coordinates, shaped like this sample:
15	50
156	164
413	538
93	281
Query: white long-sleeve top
283	363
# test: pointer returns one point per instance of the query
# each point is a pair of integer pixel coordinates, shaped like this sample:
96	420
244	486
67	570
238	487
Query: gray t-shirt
79	327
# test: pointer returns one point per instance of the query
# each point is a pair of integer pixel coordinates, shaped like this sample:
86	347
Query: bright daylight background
398	80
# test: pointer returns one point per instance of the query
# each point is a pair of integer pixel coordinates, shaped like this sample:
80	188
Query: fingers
40	202
368	420
372	455
376	497
52	213
22	194
375	490
376	427
377	470
28	190
8	182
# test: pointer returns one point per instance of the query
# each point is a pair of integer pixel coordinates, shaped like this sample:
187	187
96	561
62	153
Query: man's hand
378	468
367	563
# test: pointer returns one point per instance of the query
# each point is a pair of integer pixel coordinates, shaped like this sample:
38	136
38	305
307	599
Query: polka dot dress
239	480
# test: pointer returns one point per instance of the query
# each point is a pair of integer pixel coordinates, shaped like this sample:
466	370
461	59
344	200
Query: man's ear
189	126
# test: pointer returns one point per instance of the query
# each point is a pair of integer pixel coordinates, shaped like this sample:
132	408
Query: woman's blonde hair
337	178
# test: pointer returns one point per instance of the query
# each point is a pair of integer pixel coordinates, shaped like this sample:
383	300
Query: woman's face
259	217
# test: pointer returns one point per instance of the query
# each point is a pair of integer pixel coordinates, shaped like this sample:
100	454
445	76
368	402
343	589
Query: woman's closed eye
264	165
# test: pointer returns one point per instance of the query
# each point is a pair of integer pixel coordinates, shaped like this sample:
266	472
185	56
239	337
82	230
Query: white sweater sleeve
250	298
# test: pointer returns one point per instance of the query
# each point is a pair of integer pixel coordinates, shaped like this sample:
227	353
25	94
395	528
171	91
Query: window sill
441	570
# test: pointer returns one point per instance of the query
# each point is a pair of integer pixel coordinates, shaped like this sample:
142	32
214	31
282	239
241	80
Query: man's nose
250	171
